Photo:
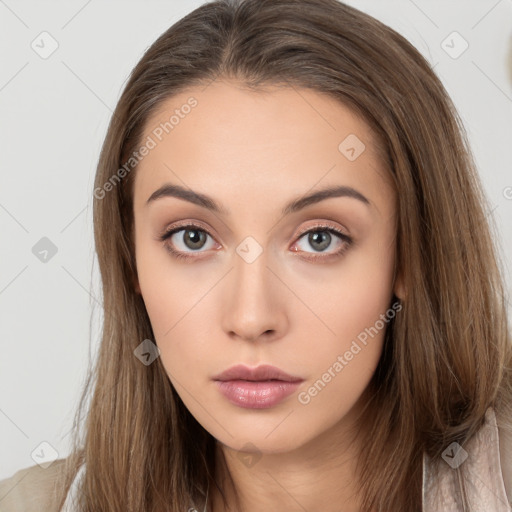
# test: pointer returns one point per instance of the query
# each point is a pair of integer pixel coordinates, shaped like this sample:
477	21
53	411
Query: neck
320	475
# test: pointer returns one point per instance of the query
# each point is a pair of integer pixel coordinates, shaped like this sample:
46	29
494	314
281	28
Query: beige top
486	461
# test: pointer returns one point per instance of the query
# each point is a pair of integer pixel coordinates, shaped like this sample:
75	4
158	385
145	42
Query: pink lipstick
256	388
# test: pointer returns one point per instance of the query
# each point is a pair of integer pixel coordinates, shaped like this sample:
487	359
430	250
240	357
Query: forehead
254	116
224	137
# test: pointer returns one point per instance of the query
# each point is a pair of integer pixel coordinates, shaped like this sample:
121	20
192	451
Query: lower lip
256	394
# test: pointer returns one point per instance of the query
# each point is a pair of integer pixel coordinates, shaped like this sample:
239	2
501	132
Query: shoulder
31	489
485	462
505	453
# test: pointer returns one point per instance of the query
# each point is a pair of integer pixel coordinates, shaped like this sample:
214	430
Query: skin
253	152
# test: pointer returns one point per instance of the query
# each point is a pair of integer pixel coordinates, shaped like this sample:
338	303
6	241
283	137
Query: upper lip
260	373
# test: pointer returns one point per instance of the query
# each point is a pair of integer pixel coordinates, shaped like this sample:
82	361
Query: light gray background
54	115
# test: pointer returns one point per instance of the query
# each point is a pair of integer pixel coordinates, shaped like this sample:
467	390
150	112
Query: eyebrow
169	190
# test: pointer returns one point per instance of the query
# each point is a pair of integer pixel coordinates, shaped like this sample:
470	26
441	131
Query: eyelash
347	241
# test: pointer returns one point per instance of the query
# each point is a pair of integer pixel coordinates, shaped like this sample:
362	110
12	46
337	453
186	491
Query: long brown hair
447	356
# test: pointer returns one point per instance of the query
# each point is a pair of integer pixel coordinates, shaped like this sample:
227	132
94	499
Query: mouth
256	388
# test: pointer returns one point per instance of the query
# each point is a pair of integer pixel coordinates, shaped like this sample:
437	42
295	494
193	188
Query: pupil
195	237
322	238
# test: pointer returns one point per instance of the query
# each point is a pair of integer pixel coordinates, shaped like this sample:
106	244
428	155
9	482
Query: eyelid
321	225
169	230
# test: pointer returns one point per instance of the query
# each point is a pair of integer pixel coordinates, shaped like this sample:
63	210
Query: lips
256	388
260	373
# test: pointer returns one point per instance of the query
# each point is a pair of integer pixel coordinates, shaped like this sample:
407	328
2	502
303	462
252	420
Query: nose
255	301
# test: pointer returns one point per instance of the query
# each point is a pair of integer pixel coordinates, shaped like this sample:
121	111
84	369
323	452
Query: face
307	289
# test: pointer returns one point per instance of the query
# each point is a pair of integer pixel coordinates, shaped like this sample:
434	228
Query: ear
136	284
399	287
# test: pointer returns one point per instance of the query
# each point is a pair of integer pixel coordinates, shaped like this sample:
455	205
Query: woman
303	303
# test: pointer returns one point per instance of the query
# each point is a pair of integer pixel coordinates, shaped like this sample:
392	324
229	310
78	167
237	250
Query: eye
186	237
320	238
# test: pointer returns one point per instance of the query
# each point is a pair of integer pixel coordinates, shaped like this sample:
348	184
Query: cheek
354	296
169	291
353	312
178	307
341	365
178	300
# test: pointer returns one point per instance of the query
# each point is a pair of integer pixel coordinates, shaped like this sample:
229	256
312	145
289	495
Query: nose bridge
254	304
